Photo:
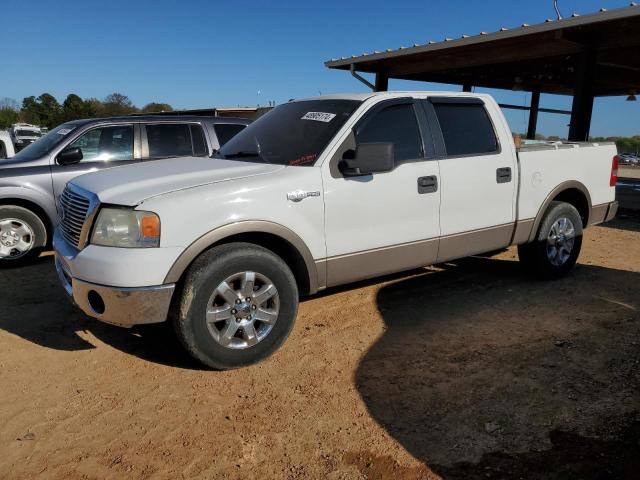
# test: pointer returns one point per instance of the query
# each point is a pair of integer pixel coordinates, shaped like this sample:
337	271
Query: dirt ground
469	370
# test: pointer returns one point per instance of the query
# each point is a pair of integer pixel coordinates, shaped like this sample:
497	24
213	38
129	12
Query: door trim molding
464	244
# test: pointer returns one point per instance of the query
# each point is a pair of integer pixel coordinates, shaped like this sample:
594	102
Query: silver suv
32	181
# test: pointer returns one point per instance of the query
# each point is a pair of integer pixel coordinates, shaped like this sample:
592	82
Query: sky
203	53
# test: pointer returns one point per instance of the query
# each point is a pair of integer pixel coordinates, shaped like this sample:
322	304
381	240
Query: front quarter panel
30	182
189	214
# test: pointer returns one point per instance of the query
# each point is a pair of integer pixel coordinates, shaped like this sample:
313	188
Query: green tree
73	108
50	110
30	111
118	104
8	112
94	108
156	108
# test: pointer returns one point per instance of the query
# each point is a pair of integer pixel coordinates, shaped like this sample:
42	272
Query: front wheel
21	235
237	305
557	245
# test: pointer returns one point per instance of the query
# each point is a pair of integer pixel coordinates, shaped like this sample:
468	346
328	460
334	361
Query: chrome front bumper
122	306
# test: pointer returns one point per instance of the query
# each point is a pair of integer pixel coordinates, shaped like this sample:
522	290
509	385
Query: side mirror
69	156
369	158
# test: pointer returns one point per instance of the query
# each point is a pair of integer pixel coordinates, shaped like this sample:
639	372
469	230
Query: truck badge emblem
300	195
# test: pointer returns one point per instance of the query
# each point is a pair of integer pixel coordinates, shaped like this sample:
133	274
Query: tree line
46	111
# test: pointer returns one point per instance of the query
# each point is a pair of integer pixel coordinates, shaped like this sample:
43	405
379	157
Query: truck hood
132	184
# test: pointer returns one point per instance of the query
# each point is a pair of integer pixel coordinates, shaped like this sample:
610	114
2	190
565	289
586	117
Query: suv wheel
21	233
557	245
237	305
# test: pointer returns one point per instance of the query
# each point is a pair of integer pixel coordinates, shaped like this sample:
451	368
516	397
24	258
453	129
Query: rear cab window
466	127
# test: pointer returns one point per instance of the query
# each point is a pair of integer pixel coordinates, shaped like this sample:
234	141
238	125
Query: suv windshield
294	133
27	133
45	144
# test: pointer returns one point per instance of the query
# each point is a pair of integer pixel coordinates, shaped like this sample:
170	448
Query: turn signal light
614	171
150	226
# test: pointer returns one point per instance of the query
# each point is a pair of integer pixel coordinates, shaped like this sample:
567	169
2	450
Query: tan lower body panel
475	242
373	263
397	258
523	231
603	213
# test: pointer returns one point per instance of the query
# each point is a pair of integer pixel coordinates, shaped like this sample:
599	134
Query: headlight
122	227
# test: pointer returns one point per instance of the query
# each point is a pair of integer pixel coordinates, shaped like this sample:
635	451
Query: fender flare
571	184
248	226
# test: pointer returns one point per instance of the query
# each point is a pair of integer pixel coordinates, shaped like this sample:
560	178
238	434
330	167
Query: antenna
555	5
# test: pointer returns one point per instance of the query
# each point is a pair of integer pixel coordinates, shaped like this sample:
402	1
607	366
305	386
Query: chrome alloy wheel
560	241
16	238
242	310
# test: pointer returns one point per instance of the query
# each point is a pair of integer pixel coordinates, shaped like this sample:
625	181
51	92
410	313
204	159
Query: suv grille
73	213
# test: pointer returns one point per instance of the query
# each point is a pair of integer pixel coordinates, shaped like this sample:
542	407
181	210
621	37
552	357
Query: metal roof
613	33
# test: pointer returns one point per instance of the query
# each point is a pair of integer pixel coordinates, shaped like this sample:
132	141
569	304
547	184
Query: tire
22	235
204	320
557	246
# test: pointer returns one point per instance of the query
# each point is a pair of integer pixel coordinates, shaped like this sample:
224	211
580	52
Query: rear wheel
237	306
21	235
557	245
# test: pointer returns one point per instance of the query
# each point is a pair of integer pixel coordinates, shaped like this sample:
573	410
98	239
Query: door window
395	124
176	140
106	143
199	144
466	128
226	131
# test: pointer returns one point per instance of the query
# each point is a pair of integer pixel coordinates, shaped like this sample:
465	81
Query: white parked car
24	135
6	145
318	193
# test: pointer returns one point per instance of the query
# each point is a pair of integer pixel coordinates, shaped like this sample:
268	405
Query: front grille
73	213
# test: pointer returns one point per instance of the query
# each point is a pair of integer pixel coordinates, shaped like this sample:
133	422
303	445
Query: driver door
104	146
390	221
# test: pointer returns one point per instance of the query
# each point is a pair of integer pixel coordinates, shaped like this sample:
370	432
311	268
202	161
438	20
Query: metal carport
585	56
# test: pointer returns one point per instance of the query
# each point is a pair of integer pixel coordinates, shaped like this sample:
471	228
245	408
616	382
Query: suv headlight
126	228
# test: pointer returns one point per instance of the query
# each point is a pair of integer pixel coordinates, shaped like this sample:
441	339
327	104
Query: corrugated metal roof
576	20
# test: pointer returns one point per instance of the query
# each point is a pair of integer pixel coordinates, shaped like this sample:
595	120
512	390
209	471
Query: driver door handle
427	184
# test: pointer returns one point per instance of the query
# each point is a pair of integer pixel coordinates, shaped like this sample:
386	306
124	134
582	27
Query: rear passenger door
165	140
477	177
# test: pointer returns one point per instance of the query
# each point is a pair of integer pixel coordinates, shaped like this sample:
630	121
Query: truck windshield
45	144
294	133
27	133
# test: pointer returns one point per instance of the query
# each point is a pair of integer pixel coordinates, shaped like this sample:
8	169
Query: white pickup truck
318	193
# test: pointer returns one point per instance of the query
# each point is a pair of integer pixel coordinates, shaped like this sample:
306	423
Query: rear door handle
503	175
428	184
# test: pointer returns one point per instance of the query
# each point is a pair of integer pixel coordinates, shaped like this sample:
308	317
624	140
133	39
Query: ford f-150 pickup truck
318	193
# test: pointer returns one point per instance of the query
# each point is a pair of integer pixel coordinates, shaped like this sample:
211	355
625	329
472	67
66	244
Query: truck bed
546	166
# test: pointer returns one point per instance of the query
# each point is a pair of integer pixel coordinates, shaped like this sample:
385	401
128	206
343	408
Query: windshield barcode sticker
319	116
64	131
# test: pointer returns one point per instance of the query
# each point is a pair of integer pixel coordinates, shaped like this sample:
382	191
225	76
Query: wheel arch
275	237
571	192
37	210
